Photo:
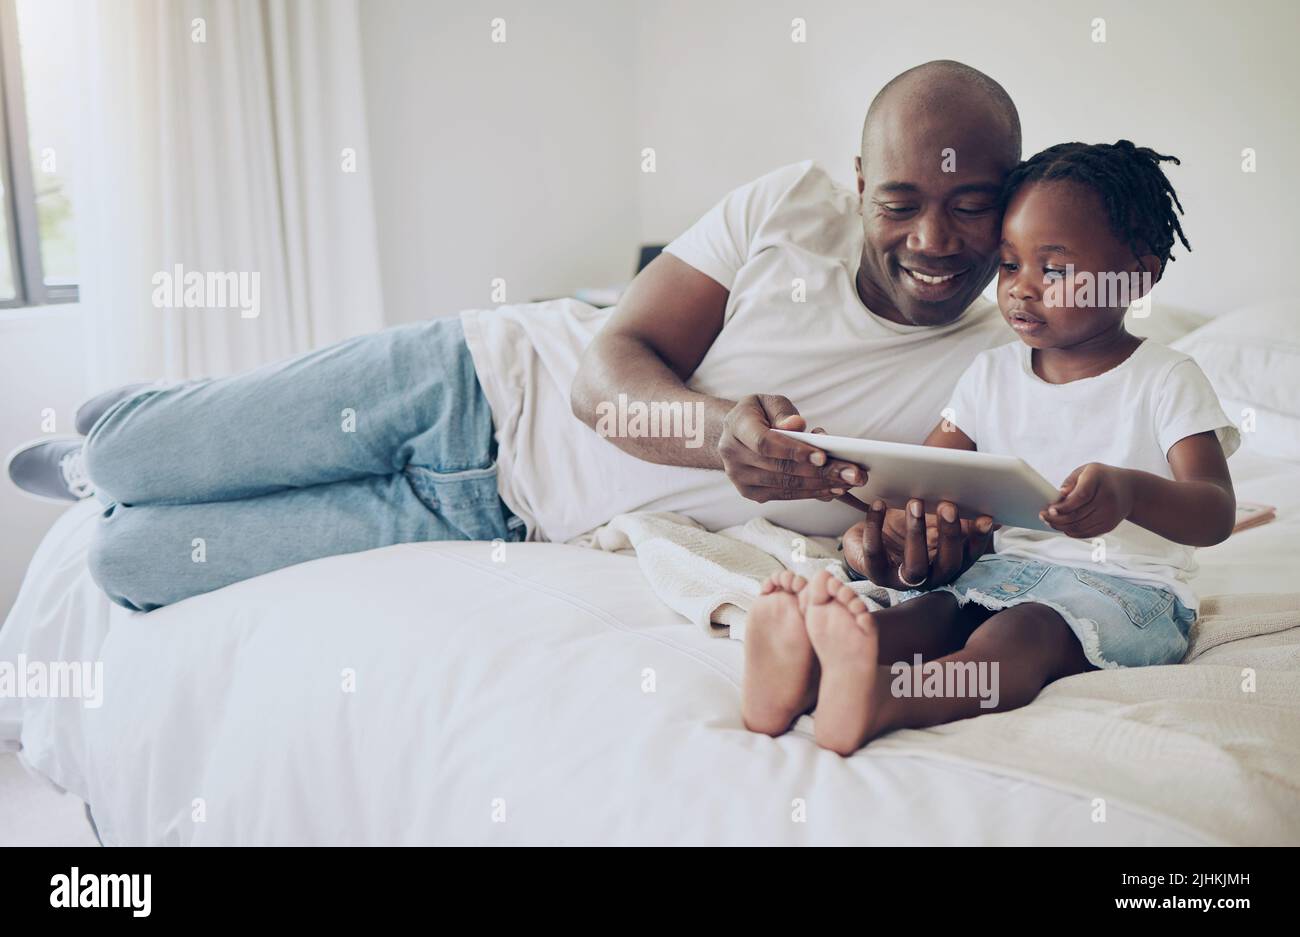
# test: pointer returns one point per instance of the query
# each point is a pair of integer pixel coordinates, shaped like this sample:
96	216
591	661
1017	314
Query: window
38	101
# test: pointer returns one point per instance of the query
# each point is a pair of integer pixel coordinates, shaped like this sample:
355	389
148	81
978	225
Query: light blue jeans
381	439
1119	623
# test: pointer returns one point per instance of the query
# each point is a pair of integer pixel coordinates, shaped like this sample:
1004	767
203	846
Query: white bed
494	702
549	698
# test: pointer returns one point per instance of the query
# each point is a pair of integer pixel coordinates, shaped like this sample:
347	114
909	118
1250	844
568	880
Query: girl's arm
1198	508
947	436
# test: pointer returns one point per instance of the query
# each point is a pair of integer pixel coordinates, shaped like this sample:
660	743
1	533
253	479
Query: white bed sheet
494	702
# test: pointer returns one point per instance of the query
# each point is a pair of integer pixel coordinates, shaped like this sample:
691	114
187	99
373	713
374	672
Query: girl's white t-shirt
1129	417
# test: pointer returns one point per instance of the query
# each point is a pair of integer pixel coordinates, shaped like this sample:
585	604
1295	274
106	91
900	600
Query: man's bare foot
846	643
780	680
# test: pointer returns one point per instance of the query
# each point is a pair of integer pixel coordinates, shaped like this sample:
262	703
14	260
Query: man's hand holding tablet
767	465
894	548
969	489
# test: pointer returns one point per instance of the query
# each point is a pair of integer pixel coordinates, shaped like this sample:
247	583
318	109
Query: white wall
511	160
522	160
724	95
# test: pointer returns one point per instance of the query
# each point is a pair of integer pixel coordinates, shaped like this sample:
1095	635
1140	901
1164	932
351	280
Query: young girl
1130	429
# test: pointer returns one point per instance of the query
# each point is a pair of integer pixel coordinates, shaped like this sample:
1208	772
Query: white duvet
438	693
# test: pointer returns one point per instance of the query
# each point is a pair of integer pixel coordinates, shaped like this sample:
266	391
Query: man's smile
932	285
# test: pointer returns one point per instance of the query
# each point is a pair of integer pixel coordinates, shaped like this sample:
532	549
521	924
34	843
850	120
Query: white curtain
224	136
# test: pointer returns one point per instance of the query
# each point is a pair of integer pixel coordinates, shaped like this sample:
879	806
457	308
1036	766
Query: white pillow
1263	431
1252	356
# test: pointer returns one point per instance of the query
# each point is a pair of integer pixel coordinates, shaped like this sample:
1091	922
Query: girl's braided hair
1135	191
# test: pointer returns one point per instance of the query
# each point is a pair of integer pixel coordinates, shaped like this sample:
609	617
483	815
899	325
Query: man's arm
664	325
658	335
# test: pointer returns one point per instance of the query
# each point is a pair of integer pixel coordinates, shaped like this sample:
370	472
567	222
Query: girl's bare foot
846	643
780	680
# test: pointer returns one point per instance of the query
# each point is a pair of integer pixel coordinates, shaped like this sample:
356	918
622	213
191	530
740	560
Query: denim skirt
1119	623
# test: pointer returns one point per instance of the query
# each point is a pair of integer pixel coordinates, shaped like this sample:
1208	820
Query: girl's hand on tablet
1095	498
908	550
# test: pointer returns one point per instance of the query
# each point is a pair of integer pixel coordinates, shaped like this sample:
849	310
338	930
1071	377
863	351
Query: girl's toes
819	593
797	583
832	586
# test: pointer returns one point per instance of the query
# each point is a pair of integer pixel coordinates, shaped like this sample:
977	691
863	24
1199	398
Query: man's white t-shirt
1129	417
787	246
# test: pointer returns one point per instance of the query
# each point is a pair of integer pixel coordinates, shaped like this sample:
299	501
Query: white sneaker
51	469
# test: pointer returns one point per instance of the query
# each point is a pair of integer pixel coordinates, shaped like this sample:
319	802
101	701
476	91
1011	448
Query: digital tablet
1001	486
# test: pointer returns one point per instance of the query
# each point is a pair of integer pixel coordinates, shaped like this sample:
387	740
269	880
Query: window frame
30	288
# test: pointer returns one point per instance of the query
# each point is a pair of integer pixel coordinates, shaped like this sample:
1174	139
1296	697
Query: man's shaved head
937	145
946	86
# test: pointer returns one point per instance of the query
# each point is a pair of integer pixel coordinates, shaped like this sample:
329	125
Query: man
863	306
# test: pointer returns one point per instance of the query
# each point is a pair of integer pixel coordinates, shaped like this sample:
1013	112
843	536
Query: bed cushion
428	693
444	693
1252	357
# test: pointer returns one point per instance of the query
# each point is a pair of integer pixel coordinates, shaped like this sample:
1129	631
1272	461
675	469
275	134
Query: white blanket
1173	742
713	578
